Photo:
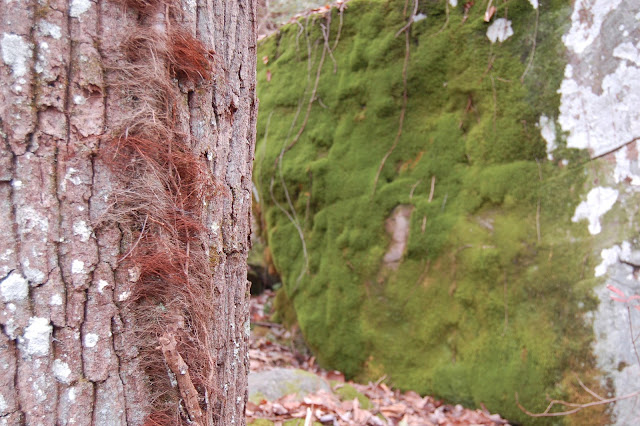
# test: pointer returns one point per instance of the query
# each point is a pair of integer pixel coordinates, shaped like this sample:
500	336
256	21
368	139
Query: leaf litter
271	347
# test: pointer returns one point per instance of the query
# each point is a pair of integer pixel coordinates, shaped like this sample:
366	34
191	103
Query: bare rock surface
276	383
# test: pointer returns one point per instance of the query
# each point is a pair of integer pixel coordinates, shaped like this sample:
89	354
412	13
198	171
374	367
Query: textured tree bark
68	350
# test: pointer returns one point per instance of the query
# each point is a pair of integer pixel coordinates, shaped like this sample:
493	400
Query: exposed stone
397	226
273	384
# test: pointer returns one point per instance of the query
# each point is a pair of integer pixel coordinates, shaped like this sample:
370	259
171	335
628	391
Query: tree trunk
127	132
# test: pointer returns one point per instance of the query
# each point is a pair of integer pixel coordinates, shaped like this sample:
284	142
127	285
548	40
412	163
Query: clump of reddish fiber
189	58
160	207
173	294
160	418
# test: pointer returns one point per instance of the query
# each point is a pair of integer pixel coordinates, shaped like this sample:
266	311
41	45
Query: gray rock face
599	111
276	383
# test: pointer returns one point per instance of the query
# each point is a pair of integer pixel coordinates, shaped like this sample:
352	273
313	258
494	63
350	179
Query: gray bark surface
67	355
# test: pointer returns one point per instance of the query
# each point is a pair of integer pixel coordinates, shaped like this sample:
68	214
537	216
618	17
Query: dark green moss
493	276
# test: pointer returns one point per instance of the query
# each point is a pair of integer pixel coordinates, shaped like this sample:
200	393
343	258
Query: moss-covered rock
489	297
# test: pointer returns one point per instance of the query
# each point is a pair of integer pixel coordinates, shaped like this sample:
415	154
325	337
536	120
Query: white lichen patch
61	371
124	296
90	340
134	274
71	394
14	287
613	345
601	122
500	30
16	53
69	176
37	336
78	7
79	100
419	17
599	201
56	300
81	229
611	256
29	219
48	29
586	20
628	52
627	169
77	267
10	328
33	275
190	6
3	404
101	285
548	132
247	328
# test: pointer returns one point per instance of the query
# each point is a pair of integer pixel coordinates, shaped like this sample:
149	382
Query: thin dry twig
635	349
408	24
577	407
413	188
433	188
405	65
533	48
341	8
446	22
180	370
312	98
539	206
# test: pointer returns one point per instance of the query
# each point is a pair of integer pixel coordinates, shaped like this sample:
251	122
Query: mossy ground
489	297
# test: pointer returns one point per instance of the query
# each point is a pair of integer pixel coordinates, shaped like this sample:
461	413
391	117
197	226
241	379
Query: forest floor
350	403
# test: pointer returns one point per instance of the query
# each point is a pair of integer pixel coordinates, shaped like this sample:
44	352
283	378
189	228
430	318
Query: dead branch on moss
413	188
312	97
290	213
406	27
539	206
533	48
341	8
446	22
574	406
433	188
296	224
405	65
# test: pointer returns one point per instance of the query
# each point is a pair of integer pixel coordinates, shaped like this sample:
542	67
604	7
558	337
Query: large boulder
447	198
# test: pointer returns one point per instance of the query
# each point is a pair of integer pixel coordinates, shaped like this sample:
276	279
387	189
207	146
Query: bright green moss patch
261	422
489	295
347	392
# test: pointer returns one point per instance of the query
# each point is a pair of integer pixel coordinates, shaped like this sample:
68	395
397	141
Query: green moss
347	392
492	280
299	422
261	422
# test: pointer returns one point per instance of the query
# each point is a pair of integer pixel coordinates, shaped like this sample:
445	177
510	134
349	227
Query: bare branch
577	407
